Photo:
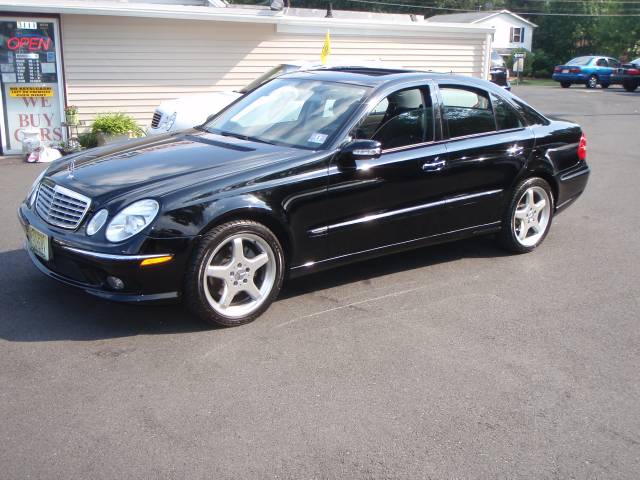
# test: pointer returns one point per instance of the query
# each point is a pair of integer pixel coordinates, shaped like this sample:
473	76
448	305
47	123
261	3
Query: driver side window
401	119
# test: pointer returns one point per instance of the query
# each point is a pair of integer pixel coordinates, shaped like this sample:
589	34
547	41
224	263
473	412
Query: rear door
487	146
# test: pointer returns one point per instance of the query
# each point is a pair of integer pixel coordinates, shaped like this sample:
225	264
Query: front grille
60	206
155	121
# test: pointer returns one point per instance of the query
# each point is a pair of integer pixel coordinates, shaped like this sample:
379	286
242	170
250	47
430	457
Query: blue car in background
589	70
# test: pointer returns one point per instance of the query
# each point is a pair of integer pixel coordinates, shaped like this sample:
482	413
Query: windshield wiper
245	137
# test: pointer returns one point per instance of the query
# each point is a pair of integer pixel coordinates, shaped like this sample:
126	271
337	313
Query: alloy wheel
531	216
239	275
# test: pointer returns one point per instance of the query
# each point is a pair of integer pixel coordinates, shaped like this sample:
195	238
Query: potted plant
115	127
71	114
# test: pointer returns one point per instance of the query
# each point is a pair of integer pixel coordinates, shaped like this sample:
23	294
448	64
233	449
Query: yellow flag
326	48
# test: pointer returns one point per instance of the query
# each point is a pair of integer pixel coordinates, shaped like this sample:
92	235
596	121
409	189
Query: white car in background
191	110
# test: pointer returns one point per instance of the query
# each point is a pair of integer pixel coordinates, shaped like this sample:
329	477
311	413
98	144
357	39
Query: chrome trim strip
569	176
327	228
109	256
475	227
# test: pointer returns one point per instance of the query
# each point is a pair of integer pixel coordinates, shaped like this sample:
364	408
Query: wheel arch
546	175
256	211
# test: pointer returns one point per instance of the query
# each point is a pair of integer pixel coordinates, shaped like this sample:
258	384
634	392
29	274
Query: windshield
636	61
268	75
580	61
291	112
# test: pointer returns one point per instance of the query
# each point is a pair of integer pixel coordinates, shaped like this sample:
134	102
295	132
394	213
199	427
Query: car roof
378	77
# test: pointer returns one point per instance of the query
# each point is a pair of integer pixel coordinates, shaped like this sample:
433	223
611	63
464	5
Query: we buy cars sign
31	96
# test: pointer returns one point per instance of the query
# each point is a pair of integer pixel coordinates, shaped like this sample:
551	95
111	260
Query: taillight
633	71
575	70
557	70
582	148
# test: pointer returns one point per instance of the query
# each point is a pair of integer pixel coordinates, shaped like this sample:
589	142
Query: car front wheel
235	273
528	216
592	82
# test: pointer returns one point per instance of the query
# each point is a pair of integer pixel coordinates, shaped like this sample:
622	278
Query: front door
388	201
30	82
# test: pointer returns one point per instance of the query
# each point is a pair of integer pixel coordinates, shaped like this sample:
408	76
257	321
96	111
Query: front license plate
38	242
565	71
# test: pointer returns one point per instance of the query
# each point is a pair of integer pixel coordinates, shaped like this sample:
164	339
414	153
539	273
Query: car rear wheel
565	84
528	216
592	82
235	273
630	86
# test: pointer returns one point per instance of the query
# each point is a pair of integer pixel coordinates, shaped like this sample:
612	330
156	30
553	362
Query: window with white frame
517	35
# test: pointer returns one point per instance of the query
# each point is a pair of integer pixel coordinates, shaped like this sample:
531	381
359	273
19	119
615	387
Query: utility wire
547	14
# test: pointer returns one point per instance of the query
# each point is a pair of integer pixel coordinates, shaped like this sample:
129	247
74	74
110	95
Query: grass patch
536	82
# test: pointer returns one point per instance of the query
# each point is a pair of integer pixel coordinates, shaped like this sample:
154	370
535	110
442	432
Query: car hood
162	164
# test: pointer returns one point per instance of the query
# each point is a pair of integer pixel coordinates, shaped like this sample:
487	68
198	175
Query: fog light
115	283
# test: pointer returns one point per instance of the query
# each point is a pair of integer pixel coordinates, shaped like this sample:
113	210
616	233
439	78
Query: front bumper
88	269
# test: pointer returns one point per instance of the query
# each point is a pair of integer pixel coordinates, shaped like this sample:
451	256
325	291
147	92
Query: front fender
197	219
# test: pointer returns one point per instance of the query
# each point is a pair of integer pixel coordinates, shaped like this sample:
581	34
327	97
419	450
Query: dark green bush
88	140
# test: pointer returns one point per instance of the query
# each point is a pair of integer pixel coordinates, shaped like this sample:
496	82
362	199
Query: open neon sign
29	43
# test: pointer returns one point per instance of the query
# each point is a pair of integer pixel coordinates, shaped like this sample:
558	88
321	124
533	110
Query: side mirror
358	150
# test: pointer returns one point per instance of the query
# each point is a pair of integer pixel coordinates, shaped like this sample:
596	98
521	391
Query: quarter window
506	116
401	119
467	111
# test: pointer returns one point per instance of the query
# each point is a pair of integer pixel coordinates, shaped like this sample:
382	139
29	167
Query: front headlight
167	121
34	188
97	221
132	220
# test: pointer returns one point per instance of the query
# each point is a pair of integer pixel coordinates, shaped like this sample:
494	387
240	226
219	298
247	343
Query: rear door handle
434	166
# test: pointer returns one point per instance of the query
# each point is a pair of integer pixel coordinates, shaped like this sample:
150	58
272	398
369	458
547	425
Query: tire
234	274
592	82
519	215
630	86
565	84
605	85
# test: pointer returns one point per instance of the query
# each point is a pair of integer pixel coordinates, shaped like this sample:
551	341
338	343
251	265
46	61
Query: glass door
31	82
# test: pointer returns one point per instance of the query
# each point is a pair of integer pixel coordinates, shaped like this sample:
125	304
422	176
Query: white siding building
129	56
511	30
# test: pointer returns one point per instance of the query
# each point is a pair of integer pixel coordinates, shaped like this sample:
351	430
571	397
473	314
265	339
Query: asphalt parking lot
456	361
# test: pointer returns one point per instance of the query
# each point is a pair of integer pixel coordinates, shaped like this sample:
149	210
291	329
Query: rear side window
466	111
506	116
530	115
602	62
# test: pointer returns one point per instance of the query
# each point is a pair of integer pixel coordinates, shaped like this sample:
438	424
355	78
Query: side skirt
327	263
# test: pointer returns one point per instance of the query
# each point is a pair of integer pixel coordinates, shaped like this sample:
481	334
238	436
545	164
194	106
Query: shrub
115	124
88	140
542	64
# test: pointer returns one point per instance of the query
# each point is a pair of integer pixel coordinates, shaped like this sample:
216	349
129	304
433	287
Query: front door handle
434	165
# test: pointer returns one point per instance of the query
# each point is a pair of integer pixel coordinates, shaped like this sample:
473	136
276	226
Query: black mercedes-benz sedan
310	171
